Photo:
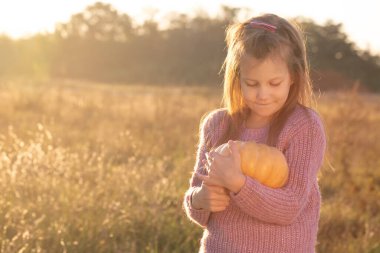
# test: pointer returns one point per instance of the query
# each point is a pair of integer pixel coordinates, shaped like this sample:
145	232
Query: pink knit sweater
260	219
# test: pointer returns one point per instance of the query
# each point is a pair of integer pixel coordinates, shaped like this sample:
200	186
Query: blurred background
100	104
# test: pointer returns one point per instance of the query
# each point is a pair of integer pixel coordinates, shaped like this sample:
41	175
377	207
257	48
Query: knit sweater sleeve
304	155
199	216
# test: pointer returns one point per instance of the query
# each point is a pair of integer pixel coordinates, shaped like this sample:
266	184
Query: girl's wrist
237	183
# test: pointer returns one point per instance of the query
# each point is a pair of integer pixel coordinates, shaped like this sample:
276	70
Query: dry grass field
88	167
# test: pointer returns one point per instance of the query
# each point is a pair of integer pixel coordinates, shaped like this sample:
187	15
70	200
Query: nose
262	94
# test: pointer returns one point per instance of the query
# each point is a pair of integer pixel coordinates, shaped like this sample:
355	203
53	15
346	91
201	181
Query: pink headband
263	25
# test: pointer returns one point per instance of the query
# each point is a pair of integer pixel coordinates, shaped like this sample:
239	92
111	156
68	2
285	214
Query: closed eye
251	84
275	84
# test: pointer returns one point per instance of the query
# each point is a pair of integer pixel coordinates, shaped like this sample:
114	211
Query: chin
264	110
262	113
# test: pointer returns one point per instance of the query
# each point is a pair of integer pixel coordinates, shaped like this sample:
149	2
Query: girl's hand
210	197
224	171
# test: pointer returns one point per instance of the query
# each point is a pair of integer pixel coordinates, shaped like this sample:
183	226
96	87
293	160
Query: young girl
267	99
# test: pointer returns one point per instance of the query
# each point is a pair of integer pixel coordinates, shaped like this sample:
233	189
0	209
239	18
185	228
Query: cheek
248	93
282	93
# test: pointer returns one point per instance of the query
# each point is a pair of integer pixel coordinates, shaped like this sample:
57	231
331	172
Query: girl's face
265	87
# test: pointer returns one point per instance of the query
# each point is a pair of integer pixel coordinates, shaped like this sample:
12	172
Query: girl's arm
283	205
200	217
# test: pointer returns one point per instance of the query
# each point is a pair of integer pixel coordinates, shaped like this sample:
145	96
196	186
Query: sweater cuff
200	216
246	193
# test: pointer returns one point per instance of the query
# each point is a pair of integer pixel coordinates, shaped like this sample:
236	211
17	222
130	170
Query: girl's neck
256	122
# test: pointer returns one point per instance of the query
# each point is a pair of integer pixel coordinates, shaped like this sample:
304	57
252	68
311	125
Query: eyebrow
273	79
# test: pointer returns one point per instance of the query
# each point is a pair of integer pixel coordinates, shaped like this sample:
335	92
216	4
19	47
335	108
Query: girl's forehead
252	61
270	64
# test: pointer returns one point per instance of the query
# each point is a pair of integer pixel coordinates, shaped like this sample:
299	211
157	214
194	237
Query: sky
360	19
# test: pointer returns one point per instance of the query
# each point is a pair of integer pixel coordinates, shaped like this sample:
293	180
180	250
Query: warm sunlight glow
22	17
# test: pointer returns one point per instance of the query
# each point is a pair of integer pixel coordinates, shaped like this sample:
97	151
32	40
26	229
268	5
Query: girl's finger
212	154
209	158
219	190
206	179
218	193
206	166
218	206
207	169
222	202
211	167
200	176
217	209
220	199
209	181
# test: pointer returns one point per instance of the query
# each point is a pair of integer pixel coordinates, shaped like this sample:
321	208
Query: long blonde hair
287	42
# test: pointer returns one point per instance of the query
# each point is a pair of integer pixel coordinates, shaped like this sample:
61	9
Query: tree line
102	44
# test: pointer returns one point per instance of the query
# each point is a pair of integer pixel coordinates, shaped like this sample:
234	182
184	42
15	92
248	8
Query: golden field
90	167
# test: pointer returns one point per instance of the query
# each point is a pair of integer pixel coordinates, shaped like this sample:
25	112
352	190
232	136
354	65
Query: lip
261	104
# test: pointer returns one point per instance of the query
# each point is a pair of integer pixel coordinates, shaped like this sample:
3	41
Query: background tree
98	22
103	44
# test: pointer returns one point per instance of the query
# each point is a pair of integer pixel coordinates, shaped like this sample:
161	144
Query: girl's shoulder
301	120
213	125
215	118
304	116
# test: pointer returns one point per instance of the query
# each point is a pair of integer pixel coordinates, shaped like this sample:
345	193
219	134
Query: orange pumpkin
264	163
